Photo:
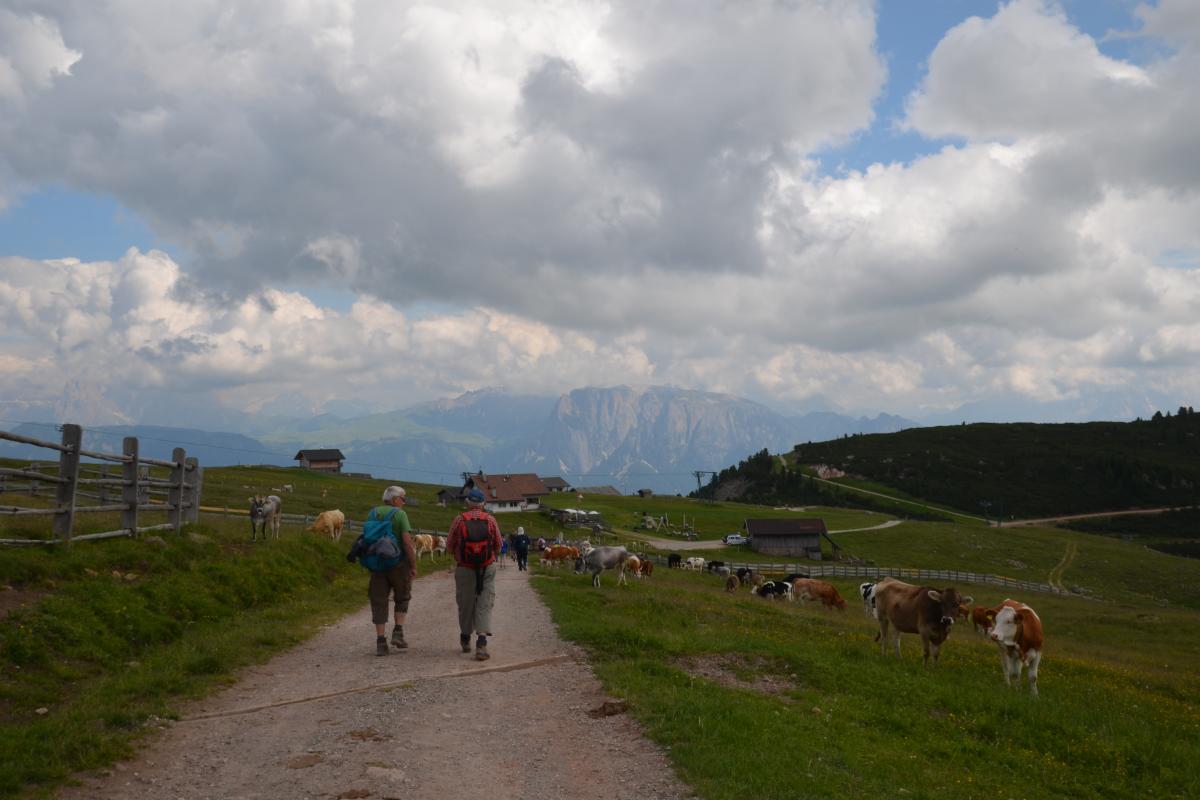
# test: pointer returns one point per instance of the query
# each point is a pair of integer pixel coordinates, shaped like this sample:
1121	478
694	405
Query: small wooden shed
795	537
321	460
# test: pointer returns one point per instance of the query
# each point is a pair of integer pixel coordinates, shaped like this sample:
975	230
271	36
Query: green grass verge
108	653
849	723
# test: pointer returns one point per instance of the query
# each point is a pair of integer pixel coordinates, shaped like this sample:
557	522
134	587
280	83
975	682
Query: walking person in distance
520	543
475	542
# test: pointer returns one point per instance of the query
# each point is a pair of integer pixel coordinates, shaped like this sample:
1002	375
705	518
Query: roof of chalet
555	482
319	455
512	487
786	527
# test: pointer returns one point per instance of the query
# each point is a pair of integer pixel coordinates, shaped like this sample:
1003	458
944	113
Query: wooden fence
815	570
128	489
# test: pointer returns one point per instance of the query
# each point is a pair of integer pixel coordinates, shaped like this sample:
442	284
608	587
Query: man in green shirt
398	582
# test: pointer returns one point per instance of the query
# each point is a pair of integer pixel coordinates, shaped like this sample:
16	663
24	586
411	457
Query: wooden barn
321	460
795	538
556	484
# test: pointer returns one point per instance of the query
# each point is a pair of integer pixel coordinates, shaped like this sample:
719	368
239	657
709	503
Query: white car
734	538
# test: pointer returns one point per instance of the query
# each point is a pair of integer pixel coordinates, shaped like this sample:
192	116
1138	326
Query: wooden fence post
130	495
191	492
68	472
104	486
175	492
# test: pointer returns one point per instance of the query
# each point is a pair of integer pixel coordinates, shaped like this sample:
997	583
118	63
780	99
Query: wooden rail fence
814	570
129	489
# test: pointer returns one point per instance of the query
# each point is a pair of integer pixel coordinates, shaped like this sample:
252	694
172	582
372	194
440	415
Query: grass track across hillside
854	724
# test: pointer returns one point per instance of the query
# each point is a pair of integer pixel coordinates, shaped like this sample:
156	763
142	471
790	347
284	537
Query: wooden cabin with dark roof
795	538
321	460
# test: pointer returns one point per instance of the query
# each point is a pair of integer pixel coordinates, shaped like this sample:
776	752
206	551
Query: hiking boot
398	638
381	646
481	653
465	643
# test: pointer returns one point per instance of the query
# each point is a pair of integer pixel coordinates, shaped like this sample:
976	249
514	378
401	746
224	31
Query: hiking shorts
383	585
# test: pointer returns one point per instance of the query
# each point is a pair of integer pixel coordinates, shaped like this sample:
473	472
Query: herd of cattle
897	607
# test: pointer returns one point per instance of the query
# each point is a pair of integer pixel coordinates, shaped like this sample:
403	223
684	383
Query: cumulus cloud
32	54
594	194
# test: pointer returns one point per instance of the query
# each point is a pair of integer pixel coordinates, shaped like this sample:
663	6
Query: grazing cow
287	487
794	575
559	553
647	567
422	543
633	564
916	609
744	574
674	561
694	563
1018	633
600	559
439	546
723	572
867	590
827	593
776	590
267	511
732	583
712	566
329	523
756	581
982	619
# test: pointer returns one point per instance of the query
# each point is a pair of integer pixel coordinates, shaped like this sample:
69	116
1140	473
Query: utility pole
700	473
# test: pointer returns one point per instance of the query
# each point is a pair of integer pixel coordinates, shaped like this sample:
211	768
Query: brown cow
922	610
732	583
647	567
557	553
633	564
1018	633
811	589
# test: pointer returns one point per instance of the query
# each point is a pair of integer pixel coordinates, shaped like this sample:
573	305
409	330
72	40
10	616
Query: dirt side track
330	719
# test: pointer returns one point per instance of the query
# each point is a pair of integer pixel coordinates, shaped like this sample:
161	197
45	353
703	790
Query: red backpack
475	547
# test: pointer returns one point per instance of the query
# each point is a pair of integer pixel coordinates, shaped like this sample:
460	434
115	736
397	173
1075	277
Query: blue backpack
377	546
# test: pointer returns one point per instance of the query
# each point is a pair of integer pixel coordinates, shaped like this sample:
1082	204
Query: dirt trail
331	719
1056	574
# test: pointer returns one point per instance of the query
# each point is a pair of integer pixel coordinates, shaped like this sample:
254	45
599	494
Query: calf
600	559
1018	633
329	523
723	572
982	619
744	574
422	543
732	583
827	593
674	561
267	511
647	567
695	563
439	546
923	610
867	590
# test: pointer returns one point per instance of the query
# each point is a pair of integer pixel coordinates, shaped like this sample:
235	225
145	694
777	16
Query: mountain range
629	437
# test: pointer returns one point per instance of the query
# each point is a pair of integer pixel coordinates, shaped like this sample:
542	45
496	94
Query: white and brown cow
1018	633
922	610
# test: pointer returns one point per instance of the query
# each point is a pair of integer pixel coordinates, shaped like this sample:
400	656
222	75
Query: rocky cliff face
635	437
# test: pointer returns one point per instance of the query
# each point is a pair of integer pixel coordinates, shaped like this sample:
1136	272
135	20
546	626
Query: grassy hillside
764	699
1030	470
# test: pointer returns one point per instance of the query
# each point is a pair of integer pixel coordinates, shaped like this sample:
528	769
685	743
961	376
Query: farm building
611	490
449	497
556	484
321	460
511	492
799	538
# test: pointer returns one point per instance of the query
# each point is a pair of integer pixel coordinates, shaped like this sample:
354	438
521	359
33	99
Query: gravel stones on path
330	719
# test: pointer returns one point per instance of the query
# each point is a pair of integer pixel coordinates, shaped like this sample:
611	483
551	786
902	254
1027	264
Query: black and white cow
867	590
713	566
744	575
776	590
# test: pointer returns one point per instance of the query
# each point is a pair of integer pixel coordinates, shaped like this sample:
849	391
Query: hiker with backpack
385	549
475	542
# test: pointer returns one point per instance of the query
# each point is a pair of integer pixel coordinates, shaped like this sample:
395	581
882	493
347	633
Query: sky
299	206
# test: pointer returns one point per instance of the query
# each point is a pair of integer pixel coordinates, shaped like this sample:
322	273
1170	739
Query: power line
393	467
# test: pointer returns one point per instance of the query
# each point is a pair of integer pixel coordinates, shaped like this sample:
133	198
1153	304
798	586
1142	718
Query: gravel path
330	719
